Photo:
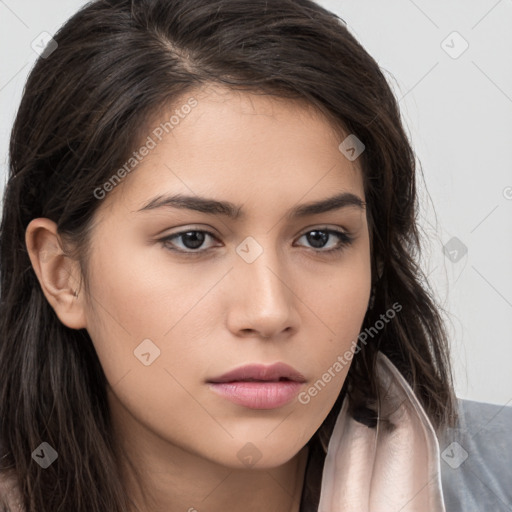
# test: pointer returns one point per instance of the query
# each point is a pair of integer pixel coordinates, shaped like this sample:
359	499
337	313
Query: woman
210	297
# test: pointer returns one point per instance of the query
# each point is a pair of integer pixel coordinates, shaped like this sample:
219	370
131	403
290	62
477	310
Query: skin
214	311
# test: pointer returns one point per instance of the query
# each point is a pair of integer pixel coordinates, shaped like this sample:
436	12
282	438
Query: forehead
240	144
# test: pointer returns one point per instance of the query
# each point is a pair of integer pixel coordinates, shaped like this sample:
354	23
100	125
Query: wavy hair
116	64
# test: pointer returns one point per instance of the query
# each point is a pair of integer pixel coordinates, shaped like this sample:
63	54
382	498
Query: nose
263	302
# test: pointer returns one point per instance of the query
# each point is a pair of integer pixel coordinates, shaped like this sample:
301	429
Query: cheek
337	314
133	307
134	299
137	290
339	299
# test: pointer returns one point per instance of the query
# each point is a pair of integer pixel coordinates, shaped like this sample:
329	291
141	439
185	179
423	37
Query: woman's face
167	317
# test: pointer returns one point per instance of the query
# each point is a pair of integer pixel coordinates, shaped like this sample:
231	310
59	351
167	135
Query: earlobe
58	274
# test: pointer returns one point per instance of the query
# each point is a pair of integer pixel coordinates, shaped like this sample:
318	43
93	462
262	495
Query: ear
58	274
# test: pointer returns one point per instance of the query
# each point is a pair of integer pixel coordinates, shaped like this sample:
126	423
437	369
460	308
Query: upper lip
260	372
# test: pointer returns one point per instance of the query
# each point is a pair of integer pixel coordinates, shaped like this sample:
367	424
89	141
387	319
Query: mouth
277	372
261	380
259	387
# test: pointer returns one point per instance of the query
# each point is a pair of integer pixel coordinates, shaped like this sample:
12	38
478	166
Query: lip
261	372
257	386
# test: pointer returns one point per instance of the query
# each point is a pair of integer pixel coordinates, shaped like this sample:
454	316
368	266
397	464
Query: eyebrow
233	211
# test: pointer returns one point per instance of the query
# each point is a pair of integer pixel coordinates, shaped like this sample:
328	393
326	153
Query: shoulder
476	458
9	493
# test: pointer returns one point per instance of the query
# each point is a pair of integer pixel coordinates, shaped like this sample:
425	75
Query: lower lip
258	395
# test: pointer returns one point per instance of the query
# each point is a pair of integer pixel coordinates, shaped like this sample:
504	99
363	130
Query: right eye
192	239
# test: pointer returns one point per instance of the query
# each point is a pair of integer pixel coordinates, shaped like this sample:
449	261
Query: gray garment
476	459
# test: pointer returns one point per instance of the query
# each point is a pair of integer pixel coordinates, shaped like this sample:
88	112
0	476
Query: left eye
193	239
321	235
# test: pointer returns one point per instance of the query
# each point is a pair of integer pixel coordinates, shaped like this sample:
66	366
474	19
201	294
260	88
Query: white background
458	112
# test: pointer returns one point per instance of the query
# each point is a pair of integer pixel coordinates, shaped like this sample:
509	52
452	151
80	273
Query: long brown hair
117	62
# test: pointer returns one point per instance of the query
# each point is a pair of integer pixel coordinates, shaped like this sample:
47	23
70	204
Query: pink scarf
394	467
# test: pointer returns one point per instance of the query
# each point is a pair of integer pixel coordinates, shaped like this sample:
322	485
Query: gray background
458	111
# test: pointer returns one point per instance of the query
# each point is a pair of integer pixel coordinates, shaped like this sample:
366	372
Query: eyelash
345	241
